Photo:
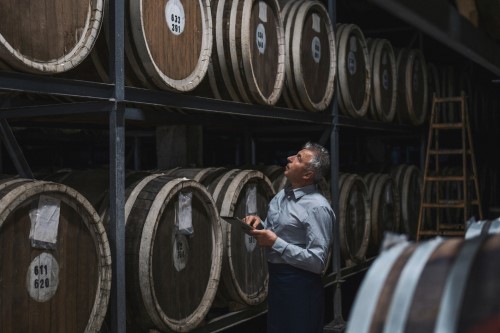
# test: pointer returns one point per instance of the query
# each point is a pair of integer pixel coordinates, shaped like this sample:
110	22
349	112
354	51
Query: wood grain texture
51	36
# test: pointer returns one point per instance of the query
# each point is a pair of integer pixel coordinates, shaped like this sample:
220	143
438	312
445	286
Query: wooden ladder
457	149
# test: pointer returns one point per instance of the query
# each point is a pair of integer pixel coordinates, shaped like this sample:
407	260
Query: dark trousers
296	300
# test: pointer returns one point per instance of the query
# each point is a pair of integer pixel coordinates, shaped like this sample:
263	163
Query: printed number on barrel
176	23
41	282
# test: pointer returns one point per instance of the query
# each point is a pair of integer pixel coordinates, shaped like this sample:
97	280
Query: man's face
297	168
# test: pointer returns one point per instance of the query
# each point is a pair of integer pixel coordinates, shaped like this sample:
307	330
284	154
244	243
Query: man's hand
265	238
252	220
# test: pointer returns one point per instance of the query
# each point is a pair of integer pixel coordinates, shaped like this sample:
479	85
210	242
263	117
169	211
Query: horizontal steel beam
55	109
47	85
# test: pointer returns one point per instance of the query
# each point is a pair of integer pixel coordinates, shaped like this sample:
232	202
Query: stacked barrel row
229	49
378	82
374	204
267	52
182	257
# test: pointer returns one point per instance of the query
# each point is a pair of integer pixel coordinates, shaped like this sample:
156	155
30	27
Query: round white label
316	49
42	277
181	252
261	38
176	19
250	243
351	63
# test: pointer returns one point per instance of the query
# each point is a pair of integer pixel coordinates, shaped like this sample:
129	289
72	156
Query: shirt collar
297	193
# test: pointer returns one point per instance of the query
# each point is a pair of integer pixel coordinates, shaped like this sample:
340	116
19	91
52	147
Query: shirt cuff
279	245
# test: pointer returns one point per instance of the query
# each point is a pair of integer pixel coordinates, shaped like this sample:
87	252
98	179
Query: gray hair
320	163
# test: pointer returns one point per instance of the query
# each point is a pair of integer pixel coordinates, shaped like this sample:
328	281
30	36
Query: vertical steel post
117	166
338	323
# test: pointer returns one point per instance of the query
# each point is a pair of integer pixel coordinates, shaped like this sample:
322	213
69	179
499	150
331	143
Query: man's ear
308	175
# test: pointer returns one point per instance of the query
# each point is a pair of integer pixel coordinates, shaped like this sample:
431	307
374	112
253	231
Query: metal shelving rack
112	99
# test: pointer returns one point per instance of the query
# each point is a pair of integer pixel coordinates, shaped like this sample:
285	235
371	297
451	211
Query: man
297	235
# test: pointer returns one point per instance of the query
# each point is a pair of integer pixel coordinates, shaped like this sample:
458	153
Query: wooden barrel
384	80
310	58
244	274
434	286
236	194
409	182
354	218
353	71
174	252
478	228
248	59
385	209
55	263
412	87
168	43
48	38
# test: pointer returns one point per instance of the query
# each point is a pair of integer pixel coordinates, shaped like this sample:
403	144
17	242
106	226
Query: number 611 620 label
42	277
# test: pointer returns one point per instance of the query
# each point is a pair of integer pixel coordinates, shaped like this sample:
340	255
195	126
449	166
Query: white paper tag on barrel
45	222
316	23
181	252
351	57
263	11
251	200
42	277
184	213
250	243
175	16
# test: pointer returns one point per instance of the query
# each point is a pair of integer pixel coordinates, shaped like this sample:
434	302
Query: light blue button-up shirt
303	221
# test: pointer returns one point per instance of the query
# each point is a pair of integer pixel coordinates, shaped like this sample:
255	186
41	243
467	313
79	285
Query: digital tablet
236	221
